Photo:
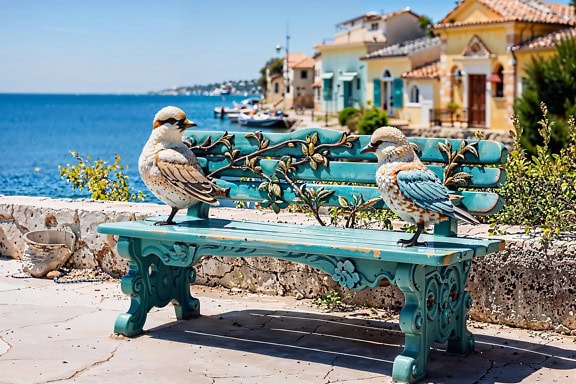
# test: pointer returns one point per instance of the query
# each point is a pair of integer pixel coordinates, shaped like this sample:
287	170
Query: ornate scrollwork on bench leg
151	283
459	302
435	310
409	366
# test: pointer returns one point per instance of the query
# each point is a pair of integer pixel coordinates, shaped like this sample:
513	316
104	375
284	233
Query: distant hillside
242	87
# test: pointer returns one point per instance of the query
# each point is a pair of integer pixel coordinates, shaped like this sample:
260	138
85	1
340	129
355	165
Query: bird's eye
170	121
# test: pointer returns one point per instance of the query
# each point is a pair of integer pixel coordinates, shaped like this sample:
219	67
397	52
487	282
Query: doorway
477	100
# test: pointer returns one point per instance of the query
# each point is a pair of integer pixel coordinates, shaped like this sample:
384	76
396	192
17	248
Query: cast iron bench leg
435	310
151	283
460	341
410	365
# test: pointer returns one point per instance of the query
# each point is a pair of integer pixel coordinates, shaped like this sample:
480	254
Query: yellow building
486	45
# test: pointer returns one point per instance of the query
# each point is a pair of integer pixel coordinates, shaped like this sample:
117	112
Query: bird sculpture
408	187
169	168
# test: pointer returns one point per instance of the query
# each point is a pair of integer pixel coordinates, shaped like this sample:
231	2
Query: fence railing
439	117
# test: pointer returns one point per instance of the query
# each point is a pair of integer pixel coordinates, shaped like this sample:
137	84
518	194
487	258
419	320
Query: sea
38	132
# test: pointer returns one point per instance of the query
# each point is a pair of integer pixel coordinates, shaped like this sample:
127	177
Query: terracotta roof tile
532	11
375	16
294	57
404	48
547	41
305	63
427	71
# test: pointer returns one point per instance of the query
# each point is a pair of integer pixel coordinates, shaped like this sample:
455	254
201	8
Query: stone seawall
528	285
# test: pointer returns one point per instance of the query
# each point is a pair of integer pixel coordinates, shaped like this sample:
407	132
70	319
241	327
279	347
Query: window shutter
327	89
397	84
377	93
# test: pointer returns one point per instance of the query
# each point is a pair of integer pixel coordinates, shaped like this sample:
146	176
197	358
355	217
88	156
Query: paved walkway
63	333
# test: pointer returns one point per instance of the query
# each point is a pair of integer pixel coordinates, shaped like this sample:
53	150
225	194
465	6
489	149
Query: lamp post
286	69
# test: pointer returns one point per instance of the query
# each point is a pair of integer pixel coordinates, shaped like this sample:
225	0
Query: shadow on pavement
359	344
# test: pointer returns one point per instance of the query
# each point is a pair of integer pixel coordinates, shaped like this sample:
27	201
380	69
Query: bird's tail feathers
465	216
220	191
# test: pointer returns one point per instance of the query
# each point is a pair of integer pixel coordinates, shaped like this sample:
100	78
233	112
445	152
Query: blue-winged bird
408	187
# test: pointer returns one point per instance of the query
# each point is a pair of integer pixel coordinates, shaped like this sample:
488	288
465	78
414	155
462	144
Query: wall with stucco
534	286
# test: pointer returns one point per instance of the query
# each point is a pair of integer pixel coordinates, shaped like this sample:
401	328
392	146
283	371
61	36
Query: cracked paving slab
52	333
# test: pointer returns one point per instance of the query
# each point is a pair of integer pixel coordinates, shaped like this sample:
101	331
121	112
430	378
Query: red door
477	100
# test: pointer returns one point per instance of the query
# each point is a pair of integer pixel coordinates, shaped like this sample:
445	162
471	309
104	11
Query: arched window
414	94
386	75
499	85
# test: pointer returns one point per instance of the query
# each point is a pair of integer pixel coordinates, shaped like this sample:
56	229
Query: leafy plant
549	81
540	191
330	301
371	120
452	106
104	181
349	117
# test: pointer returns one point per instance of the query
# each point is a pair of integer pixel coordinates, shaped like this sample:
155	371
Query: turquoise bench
318	168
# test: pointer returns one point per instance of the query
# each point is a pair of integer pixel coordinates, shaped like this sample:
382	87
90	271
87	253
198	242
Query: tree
275	65
426	24
552	82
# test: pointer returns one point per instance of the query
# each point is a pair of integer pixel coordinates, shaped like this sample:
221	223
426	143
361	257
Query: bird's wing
424	188
187	178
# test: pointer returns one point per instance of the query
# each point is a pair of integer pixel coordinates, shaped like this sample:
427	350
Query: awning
494	78
348	76
327	75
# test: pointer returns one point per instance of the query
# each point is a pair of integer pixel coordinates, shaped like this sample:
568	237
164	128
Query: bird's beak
187	124
369	148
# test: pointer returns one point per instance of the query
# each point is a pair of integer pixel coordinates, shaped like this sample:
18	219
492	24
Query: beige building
294	86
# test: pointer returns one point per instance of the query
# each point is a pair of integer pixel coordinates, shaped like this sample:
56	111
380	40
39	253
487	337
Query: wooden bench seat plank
349	243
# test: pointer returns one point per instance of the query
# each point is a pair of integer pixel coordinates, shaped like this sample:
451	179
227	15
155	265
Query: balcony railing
450	117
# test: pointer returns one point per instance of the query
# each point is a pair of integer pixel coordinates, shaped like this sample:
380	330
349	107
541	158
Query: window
497	80
414	94
374	26
276	88
358	85
304	74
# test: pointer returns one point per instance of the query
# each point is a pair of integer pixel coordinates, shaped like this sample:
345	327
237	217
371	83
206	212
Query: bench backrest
325	167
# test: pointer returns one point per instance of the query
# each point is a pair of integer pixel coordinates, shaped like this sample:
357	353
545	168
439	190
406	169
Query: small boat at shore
264	120
247	105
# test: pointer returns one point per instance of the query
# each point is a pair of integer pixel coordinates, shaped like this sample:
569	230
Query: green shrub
371	120
331	301
346	114
104	181
550	81
349	117
540	190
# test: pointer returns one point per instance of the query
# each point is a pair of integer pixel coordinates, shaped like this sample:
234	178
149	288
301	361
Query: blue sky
133	46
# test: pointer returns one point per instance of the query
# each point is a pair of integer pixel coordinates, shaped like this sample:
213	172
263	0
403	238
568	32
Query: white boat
264	120
246	105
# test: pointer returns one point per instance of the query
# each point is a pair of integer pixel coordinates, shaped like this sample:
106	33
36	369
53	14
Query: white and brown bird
169	168
407	186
